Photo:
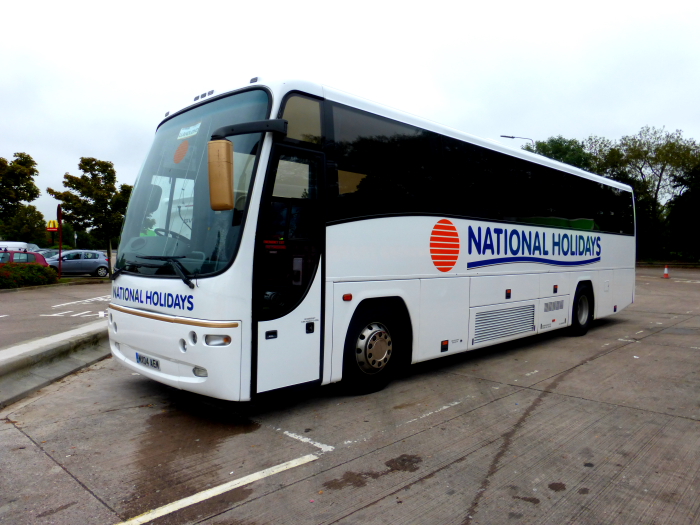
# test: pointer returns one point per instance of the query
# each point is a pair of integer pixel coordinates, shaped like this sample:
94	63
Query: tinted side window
20	258
383	165
386	167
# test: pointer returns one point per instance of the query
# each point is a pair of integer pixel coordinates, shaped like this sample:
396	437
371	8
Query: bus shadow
297	397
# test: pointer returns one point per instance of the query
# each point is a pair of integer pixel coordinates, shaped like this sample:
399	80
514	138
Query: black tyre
376	346
582	310
101	272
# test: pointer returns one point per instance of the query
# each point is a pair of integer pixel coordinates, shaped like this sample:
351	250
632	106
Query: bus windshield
170	228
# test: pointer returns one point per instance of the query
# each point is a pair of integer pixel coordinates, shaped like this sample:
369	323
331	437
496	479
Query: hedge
17	275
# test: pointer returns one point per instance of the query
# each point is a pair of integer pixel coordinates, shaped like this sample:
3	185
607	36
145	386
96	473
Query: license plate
150	362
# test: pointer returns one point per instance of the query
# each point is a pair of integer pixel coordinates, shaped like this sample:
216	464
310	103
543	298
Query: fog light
217	340
200	372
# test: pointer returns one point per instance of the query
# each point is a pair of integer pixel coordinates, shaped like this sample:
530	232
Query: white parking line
85	301
60	314
216	491
81	313
324	448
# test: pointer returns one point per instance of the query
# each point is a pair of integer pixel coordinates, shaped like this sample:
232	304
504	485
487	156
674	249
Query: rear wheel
582	310
101	272
375	345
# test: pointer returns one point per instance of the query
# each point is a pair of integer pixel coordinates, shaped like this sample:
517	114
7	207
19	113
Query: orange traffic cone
666	272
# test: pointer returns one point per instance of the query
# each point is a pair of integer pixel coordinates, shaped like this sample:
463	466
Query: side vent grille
503	323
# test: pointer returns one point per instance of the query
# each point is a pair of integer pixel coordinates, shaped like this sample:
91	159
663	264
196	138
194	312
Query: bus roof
279	88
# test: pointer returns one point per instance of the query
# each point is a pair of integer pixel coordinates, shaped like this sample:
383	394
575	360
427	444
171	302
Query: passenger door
287	276
72	263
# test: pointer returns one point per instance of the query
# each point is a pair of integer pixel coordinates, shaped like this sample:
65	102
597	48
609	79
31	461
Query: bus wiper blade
117	271
180	270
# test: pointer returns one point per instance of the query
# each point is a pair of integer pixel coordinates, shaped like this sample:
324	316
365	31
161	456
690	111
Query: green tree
658	158
92	202
26	225
17	184
569	151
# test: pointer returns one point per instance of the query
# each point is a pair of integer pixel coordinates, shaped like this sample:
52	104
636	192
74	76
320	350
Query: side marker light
347	297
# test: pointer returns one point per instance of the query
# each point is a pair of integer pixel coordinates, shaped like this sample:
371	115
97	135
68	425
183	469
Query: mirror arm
259	126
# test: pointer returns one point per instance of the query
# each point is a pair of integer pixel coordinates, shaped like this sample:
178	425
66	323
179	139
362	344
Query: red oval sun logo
444	245
181	151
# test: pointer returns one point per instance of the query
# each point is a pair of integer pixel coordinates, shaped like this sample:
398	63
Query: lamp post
524	138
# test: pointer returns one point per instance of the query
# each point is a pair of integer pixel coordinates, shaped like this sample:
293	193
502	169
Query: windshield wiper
117	271
176	265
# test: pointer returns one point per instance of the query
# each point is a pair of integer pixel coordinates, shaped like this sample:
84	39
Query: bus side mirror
154	198
220	156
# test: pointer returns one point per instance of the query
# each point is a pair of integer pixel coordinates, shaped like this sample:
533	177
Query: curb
43	286
27	367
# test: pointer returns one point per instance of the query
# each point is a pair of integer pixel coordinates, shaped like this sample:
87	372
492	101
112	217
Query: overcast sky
93	79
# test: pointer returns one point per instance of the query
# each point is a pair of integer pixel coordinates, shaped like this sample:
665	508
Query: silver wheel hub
582	310
373	348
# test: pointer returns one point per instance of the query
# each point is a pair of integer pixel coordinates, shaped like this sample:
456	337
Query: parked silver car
81	261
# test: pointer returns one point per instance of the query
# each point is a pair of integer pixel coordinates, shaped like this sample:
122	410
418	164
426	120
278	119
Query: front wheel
375	344
582	310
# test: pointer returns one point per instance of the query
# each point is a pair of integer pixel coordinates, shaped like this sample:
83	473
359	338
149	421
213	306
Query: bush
17	275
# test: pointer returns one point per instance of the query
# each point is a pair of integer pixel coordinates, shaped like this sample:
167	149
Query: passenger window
31	258
72	256
304	117
4	257
20	258
293	179
348	181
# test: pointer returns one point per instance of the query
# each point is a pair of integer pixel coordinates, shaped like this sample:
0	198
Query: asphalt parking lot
552	429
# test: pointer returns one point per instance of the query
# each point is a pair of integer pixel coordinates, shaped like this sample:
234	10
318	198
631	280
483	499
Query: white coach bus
288	233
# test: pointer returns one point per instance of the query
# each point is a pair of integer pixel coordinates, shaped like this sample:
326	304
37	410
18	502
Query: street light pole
524	138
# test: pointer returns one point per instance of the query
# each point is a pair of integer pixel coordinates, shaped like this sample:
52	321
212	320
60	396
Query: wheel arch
585	282
394	304
346	298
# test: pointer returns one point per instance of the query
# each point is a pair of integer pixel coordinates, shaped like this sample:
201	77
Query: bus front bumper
196	355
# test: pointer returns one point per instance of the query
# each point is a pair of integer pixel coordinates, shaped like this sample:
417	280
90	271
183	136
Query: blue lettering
537	247
598	246
149	297
589	249
516	235
488	242
572	238
190	303
527	242
170	300
498	232
544	244
505	242
177	304
556	244
476	241
581	245
183	298
565	250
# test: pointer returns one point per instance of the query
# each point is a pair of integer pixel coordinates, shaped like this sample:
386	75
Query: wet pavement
603	428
